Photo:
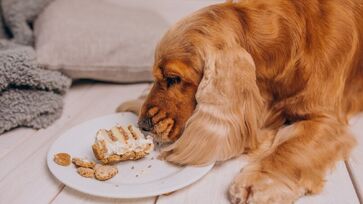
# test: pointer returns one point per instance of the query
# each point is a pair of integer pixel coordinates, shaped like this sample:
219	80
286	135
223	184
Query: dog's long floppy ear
227	117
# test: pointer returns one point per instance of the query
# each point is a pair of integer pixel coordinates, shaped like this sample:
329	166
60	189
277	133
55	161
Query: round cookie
83	163
105	172
62	159
86	172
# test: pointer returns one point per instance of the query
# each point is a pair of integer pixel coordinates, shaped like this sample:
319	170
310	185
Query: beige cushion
98	39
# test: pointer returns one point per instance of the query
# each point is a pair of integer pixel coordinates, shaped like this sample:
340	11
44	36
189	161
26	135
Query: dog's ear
227	117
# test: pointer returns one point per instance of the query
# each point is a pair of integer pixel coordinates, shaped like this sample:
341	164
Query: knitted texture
30	95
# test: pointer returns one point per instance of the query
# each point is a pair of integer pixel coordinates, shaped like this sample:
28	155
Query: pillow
98	39
170	10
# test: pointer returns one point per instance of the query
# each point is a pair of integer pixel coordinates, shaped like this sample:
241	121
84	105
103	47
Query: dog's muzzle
146	124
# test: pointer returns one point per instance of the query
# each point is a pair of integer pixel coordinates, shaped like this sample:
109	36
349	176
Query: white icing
119	147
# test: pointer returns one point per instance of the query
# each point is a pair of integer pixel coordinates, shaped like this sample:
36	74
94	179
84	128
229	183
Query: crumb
86	172
117	185
132	167
152	158
137	175
149	166
62	159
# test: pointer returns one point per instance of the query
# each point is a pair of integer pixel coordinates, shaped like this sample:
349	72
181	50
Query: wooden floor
25	178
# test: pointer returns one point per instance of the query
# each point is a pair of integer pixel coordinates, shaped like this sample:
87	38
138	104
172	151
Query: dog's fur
273	79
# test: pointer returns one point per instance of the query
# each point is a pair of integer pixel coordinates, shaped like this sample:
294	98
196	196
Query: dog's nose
145	124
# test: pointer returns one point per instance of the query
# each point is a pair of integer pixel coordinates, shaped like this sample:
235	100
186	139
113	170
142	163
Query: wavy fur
226	117
287	108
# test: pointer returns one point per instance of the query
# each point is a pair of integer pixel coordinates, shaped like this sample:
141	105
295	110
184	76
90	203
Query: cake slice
121	143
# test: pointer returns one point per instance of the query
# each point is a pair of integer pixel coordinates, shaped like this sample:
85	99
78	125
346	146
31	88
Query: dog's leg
297	166
134	106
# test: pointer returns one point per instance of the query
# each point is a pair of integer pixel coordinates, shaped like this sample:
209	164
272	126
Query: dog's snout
145	124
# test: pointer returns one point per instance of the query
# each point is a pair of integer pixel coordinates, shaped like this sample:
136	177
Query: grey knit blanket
30	95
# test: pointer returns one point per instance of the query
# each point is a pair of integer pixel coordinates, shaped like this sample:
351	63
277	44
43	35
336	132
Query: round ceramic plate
143	178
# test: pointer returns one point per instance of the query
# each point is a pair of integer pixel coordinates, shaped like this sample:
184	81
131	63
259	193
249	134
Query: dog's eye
170	81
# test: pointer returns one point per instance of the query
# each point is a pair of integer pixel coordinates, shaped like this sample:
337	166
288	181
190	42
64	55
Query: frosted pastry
121	143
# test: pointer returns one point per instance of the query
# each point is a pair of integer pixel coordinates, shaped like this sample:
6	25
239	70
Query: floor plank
28	180
69	195
338	189
212	188
355	163
9	140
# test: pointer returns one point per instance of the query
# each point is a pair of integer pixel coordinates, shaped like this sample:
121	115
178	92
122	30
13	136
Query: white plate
136	179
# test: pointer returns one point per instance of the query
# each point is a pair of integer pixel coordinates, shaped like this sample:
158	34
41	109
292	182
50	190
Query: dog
274	80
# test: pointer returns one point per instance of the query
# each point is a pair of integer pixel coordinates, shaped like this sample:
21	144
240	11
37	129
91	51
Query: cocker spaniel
275	80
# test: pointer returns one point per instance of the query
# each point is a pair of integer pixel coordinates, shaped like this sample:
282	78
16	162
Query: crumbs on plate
86	168
127	143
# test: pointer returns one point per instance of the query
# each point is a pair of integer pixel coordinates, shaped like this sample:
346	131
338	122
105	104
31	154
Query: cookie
83	163
86	172
62	159
104	172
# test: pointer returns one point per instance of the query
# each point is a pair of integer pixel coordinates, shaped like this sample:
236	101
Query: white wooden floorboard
355	163
338	189
9	140
30	180
211	189
69	195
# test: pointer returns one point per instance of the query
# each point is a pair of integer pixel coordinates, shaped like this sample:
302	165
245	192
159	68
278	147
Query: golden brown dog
272	79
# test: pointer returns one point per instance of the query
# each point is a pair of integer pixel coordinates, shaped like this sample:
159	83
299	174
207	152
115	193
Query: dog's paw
163	128
257	187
